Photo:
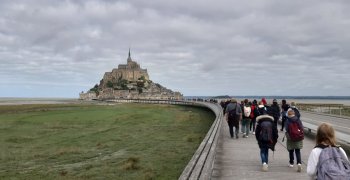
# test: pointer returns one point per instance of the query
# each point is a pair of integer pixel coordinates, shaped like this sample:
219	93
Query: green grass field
123	141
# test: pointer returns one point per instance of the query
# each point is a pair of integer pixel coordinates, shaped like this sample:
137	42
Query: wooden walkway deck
240	159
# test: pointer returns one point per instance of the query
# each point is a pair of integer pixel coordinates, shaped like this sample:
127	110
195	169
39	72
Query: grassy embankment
125	141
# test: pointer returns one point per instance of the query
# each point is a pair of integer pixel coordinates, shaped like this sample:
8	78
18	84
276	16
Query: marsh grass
123	141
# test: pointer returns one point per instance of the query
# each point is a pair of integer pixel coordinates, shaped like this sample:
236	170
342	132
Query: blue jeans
264	154
245	126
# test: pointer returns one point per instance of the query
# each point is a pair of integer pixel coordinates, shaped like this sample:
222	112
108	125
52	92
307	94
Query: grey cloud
196	47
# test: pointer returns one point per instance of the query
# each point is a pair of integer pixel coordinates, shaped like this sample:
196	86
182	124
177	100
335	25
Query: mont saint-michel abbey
128	81
130	72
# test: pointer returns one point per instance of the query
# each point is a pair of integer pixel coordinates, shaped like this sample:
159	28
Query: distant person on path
253	115
266	134
263	100
325	138
284	108
246	118
295	136
233	115
261	109
223	105
274	111
242	109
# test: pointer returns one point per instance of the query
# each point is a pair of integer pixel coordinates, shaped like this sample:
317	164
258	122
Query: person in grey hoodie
234	107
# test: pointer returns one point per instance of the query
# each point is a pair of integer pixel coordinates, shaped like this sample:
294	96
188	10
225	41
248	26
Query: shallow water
18	101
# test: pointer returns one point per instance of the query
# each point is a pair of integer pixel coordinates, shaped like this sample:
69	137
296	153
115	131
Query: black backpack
274	112
256	111
265	135
232	115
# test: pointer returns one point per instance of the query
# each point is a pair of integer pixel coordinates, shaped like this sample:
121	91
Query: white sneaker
265	167
291	165
299	168
253	132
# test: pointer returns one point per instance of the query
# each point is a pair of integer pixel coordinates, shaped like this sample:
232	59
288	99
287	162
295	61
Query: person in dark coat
274	111
261	109
284	108
266	134
234	121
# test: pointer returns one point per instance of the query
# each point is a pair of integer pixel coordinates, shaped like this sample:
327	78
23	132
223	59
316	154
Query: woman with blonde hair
325	137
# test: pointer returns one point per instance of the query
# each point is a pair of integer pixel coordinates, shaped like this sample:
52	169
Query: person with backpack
261	109
242	109
253	115
233	115
295	137
246	118
274	111
266	134
284	108
327	160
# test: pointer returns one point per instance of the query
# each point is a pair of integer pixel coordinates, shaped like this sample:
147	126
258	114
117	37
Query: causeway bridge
220	157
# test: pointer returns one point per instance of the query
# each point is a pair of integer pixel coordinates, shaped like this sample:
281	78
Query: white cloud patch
59	48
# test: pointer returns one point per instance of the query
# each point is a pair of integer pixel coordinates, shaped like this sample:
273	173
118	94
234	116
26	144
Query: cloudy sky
219	47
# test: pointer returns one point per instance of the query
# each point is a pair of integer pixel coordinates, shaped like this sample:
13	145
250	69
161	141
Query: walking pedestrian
246	118
233	115
261	108
325	138
274	111
295	136
253	115
284	108
266	134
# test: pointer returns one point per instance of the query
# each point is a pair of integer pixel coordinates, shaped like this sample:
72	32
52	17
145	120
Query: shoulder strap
322	146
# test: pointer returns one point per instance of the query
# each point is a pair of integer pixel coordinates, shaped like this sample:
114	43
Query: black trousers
297	154
283	122
231	125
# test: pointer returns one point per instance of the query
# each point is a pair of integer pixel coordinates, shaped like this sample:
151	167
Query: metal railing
333	109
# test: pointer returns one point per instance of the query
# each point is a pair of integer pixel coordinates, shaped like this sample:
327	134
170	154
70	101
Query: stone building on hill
129	72
128	81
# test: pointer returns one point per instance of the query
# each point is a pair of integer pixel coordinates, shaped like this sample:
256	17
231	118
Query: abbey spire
129	58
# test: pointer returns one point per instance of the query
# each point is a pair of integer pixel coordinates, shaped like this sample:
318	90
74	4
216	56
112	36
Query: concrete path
240	159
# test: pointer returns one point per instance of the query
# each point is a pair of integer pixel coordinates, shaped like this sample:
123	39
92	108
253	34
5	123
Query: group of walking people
261	119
